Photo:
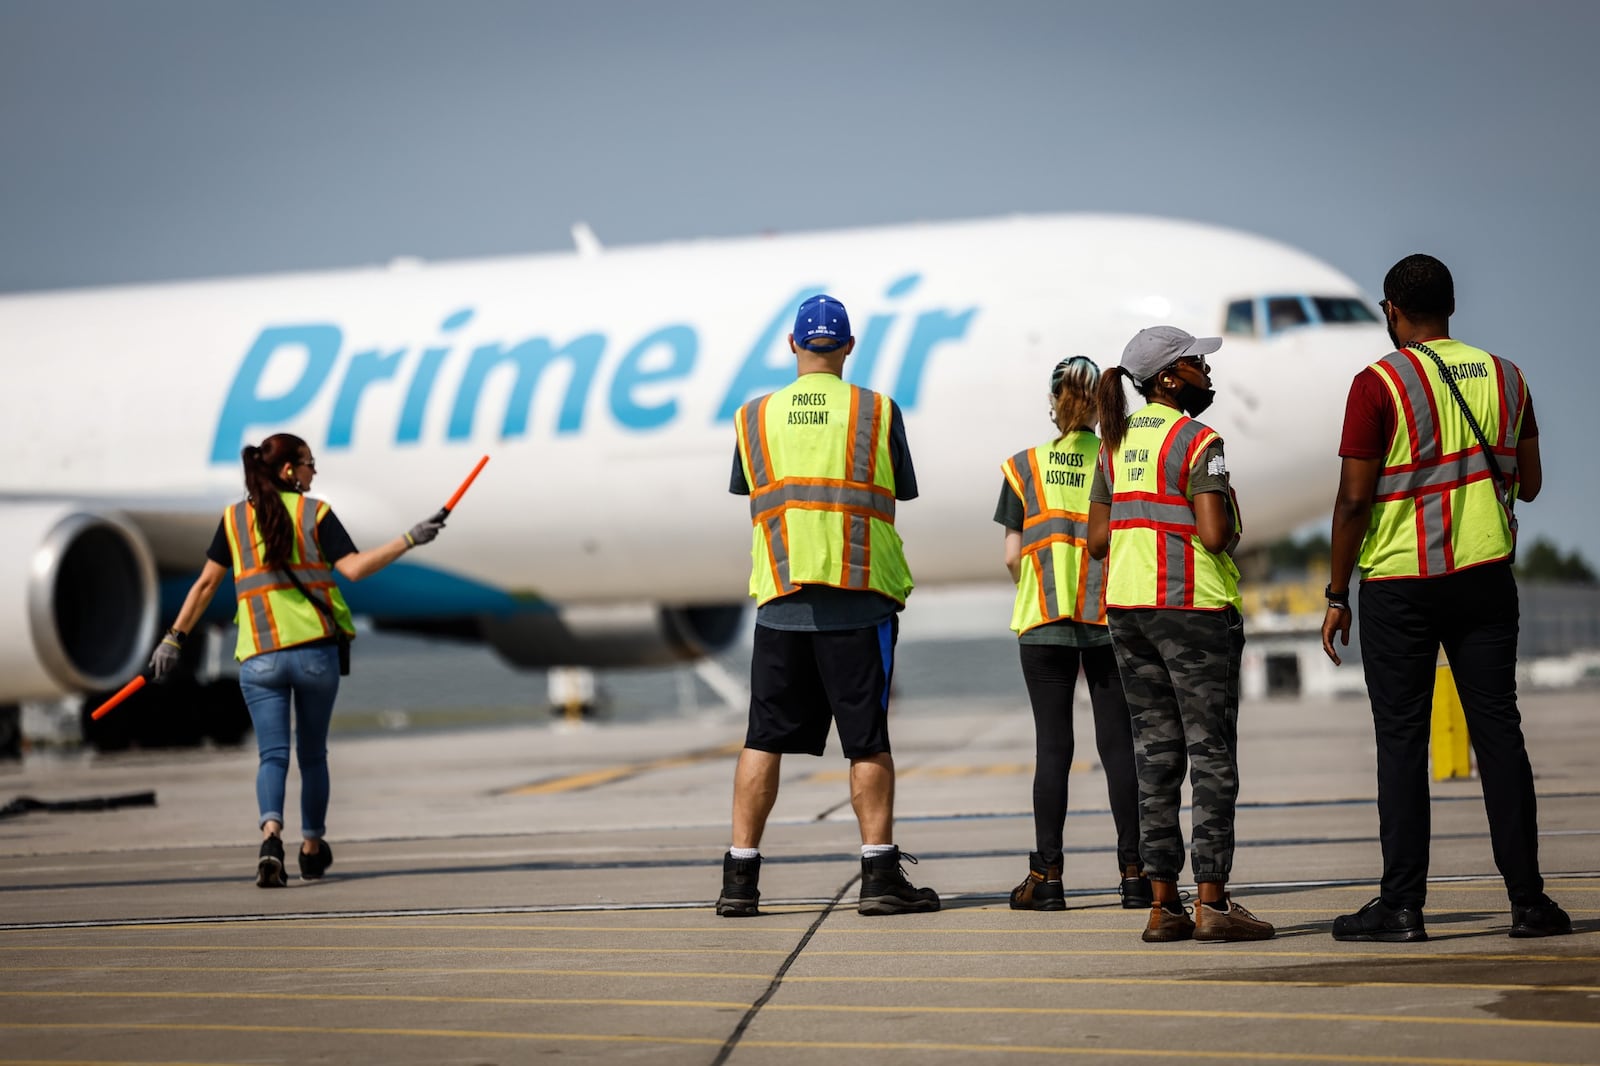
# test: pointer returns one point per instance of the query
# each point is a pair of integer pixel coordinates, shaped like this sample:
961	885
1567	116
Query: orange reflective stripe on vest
825	480
1055	531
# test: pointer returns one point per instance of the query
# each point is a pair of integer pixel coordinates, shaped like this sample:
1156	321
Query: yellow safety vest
272	614
816	458
1156	558
1057	578
1436	509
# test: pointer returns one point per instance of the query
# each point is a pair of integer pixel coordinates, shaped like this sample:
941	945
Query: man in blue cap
823	463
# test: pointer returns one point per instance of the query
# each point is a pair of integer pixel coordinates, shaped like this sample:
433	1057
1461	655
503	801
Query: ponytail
262	486
1112	403
1072	406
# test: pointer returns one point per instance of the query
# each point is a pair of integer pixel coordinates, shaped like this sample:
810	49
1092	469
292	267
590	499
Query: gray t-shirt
823	608
1064	632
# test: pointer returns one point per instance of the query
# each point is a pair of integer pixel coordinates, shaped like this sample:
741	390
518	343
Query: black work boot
269	867
885	890
1135	889
1042	890
739	893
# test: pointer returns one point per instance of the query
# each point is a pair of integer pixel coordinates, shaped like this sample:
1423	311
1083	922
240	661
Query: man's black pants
1473	615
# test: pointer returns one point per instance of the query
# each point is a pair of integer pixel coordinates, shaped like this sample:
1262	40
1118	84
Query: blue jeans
267	680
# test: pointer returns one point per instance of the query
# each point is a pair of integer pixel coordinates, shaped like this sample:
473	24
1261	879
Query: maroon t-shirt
1370	418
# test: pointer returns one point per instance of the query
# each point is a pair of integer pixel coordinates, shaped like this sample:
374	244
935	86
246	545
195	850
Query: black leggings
1051	672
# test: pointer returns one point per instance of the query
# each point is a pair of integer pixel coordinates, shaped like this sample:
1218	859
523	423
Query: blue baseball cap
822	324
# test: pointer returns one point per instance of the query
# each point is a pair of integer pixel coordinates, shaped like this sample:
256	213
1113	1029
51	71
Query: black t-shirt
821	608
331	535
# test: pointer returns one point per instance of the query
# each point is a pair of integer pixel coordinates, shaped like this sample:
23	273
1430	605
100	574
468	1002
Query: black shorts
800	682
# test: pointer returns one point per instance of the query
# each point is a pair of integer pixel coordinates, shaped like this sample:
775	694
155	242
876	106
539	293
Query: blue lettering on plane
642	392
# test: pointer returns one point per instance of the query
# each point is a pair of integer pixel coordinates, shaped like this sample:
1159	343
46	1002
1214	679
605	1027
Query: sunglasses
309	464
1198	362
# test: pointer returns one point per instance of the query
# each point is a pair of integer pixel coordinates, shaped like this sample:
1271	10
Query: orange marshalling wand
444	512
465	485
123	693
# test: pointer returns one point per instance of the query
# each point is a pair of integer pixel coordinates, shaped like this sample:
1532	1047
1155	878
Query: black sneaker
885	890
1544	918
314	865
739	893
269	868
1135	889
1381	922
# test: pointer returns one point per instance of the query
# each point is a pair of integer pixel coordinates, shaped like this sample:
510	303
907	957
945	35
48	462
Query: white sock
869	851
745	853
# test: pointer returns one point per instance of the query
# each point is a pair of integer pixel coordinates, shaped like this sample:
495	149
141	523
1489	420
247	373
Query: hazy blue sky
157	140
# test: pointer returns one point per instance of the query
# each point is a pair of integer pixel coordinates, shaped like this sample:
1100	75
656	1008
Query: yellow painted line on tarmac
673	975
1227	1055
828	1008
1156	1053
608	775
353	1030
1233	952
105	1062
420	949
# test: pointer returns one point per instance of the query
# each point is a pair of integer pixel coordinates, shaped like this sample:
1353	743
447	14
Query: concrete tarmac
513	895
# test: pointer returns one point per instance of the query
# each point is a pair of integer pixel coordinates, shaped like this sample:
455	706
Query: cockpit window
1264	316
1342	309
1241	318
1285	312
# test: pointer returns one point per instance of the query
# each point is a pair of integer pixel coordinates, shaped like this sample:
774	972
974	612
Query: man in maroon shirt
1447	581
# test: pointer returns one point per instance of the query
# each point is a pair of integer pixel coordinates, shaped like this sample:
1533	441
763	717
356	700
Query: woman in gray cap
1059	618
1165	518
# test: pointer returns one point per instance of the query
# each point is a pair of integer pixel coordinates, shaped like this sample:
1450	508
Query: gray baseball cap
1154	349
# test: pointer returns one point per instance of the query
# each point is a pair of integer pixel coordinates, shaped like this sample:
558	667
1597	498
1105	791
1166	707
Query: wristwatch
1337	599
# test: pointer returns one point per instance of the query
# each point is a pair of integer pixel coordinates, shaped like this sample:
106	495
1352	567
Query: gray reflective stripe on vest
878	503
244	535
1449	474
1023	465
866	411
1047	581
1176	548
1420	399
858	534
1513	380
310	552
244	532
274	581
752	439
1094	584
1178	454
1180	515
1431	507
1075	528
779	552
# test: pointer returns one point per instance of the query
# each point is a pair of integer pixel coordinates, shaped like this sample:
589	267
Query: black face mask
1193	400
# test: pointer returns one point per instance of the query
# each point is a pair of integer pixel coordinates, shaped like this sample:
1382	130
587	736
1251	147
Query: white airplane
603	383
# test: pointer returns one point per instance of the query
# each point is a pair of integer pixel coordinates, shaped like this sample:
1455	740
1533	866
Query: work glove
424	531
164	660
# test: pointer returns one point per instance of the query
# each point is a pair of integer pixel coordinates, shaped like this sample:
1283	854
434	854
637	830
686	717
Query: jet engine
614	635
78	600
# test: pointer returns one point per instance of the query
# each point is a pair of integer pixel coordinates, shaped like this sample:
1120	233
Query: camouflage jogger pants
1180	670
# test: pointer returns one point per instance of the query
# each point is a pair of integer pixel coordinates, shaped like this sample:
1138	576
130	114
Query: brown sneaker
1235	923
1042	890
1168	921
